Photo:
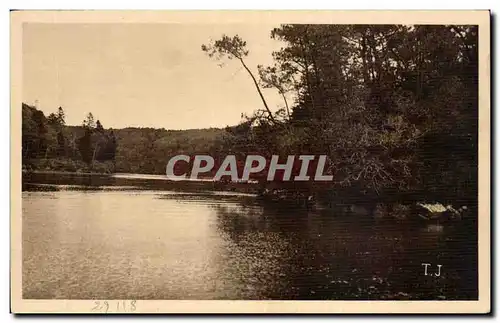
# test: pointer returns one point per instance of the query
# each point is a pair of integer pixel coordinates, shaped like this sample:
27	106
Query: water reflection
309	255
167	245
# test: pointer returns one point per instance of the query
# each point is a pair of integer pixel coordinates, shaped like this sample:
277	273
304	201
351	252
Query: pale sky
143	75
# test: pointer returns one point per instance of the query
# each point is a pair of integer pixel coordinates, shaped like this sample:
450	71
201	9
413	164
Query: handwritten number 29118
118	306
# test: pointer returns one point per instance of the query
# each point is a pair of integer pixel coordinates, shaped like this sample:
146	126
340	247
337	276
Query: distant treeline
49	144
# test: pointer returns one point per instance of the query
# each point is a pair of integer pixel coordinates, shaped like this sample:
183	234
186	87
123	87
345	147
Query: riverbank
51	179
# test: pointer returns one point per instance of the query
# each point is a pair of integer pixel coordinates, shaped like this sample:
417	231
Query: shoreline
140	181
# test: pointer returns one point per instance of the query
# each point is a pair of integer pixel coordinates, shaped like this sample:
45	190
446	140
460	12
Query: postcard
250	162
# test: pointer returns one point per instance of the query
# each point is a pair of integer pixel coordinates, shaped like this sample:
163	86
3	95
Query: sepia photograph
319	159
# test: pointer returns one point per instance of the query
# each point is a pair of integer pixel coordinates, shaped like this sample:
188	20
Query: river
154	244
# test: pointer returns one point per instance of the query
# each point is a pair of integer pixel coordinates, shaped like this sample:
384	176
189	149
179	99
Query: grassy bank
67	165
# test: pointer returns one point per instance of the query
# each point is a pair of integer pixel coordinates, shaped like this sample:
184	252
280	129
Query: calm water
129	244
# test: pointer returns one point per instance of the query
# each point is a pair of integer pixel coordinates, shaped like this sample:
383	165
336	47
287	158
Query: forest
50	145
395	108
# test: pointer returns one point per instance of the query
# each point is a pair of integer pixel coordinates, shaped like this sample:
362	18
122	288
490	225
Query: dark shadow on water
333	256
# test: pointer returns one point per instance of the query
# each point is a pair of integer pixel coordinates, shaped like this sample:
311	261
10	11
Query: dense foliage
395	107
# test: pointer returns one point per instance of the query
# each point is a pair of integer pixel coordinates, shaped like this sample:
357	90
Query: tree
111	147
98	126
57	119
34	132
280	79
235	47
57	122
89	121
85	146
61	144
52	120
61	116
90	142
